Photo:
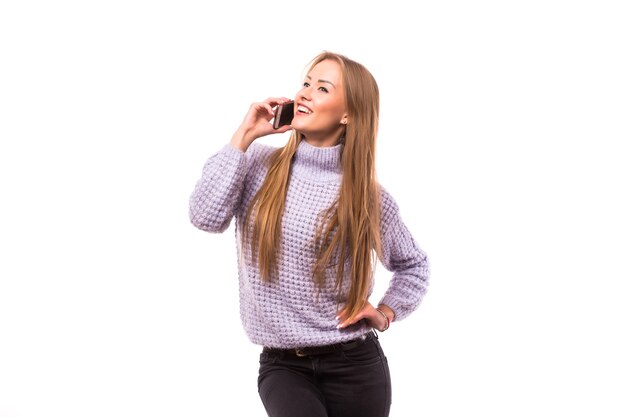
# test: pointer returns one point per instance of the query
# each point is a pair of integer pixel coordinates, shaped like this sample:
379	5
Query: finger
283	129
273	101
260	109
268	108
348	321
341	316
341	324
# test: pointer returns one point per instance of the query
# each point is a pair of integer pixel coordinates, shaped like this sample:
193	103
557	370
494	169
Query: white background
500	139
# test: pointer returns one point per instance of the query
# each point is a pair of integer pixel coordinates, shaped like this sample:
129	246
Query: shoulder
388	205
259	153
394	230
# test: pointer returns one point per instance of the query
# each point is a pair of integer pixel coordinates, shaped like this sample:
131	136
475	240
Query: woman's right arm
218	192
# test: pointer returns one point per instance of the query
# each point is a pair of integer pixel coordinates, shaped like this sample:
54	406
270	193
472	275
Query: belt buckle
300	353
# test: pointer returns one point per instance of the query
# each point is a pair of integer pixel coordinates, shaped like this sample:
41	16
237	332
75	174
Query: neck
324	141
317	163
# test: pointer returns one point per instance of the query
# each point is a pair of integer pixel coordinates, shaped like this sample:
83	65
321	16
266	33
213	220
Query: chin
300	127
296	124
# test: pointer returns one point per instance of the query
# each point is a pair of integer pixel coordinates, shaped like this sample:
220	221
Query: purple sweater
288	312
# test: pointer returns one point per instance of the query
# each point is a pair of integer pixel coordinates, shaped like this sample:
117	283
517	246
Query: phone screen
284	114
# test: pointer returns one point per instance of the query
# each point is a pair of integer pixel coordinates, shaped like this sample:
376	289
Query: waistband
322	350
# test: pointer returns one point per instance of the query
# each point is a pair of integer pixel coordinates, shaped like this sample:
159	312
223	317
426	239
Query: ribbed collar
317	164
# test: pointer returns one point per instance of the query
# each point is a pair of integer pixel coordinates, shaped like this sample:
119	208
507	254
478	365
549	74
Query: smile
304	109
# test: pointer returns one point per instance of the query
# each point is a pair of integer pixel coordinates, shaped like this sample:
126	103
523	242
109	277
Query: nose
304	94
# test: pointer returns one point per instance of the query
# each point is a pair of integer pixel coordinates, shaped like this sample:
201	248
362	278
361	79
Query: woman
311	220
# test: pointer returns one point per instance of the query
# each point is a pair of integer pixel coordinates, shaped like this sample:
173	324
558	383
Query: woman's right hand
257	123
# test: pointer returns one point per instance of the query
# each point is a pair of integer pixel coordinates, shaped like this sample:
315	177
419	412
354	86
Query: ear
344	119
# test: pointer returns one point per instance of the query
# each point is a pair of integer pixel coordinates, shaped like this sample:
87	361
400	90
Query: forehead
328	69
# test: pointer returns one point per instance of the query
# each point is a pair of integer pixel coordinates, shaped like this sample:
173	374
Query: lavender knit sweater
288	312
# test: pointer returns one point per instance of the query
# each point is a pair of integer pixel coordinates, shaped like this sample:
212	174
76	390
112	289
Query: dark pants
339	384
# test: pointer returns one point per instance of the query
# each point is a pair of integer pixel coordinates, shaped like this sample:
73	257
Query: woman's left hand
370	314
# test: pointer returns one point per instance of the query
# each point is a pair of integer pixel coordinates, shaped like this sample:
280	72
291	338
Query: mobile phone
284	114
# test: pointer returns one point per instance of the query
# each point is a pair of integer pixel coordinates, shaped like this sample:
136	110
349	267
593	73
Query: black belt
321	350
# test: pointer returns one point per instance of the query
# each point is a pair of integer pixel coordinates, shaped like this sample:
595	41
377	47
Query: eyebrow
321	81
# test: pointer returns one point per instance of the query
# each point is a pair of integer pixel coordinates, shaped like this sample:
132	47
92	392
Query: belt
322	350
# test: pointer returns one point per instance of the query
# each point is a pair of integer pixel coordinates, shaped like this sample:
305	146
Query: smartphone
284	114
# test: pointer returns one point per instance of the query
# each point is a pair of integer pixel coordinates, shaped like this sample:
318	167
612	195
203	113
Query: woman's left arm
409	264
402	256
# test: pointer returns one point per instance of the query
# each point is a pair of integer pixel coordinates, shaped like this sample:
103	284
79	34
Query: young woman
311	220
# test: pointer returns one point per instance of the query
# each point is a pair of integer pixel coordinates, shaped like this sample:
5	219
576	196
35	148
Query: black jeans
352	383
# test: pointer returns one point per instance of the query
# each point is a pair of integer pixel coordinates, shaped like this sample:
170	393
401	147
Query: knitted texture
291	310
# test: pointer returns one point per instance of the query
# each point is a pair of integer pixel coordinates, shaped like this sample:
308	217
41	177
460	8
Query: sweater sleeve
218	192
403	257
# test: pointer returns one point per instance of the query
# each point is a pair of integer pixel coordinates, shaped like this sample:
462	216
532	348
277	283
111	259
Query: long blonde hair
350	228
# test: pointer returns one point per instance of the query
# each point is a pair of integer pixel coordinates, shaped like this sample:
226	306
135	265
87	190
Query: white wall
499	138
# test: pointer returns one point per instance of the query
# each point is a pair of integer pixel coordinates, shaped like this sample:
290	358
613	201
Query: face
320	111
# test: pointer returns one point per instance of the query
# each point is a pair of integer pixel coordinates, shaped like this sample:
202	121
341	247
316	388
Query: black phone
284	114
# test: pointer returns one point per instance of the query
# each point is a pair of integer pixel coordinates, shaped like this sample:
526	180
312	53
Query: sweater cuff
231	150
399	312
401	309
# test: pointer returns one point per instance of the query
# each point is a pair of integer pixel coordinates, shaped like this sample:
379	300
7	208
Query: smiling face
320	113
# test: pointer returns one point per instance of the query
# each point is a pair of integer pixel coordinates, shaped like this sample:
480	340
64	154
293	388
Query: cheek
333	110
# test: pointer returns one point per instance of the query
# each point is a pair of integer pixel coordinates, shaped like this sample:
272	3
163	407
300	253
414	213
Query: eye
324	89
306	84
